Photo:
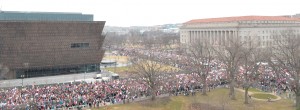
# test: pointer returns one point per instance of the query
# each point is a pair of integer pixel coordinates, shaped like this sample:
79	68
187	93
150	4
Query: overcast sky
156	12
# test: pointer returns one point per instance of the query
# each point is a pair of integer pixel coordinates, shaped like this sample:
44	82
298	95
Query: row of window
260	43
258	38
267	21
80	45
246	32
37	72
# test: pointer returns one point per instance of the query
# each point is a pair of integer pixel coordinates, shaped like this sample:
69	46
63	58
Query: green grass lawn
120	59
254	90
130	69
263	96
119	69
215	98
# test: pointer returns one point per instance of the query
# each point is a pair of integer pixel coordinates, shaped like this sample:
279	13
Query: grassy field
119	59
128	69
214	100
119	69
254	90
263	96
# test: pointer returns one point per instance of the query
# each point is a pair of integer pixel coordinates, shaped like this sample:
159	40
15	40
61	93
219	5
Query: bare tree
275	66
200	61
134	37
112	39
148	42
252	58
287	54
230	55
148	71
168	39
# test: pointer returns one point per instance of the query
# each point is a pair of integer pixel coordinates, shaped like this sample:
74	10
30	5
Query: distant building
292	16
296	16
50	44
216	31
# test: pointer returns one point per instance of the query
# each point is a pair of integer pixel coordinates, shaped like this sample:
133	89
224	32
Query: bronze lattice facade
42	48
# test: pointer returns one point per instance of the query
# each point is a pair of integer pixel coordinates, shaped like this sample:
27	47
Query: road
48	79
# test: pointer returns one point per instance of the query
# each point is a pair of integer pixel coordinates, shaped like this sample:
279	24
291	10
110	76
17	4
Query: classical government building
217	31
41	44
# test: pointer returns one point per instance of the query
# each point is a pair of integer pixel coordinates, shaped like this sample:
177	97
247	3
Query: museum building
37	44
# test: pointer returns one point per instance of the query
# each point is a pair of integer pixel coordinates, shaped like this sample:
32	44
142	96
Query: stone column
193	37
198	36
202	36
206	36
234	34
224	37
221	37
211	36
190	40
230	34
214	37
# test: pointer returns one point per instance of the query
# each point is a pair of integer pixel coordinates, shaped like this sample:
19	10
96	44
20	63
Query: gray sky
156	12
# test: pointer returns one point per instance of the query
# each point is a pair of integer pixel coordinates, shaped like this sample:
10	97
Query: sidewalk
48	79
250	93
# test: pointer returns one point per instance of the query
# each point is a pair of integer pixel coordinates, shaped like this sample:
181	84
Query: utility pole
22	77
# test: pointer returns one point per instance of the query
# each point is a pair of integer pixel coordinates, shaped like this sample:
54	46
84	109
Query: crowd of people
269	80
124	90
94	94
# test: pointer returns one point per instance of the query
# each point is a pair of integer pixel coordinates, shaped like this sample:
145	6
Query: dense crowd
269	80
94	94
102	93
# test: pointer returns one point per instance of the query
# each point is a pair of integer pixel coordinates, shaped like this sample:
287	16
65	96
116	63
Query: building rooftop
243	18
44	16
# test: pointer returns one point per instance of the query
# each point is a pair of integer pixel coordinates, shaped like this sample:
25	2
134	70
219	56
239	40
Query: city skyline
155	12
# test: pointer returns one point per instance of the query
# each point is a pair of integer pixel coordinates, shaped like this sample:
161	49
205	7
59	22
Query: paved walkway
88	77
251	93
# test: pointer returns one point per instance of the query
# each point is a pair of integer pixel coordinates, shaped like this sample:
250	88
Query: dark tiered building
43	47
44	16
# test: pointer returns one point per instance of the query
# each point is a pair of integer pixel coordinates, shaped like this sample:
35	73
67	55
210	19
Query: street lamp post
84	76
206	67
86	70
26	66
22	77
115	67
115	63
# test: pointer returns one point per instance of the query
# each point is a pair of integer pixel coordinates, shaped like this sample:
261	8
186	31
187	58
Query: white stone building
216	31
